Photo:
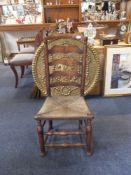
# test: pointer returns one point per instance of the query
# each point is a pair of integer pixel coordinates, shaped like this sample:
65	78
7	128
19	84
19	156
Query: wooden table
25	41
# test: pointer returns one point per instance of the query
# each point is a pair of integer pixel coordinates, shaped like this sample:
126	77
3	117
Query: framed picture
117	80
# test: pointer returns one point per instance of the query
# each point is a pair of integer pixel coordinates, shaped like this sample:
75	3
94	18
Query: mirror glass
87	4
20	12
100	10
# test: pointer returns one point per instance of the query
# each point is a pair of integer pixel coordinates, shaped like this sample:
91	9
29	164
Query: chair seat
64	107
22	58
27	50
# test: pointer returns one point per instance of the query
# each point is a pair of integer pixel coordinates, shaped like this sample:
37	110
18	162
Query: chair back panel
65	61
64	66
65	49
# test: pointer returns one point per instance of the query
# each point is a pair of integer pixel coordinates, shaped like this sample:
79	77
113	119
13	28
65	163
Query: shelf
111	23
61	6
18	4
63	10
20	27
107	21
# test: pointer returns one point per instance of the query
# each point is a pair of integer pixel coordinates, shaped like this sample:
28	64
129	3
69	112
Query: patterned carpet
19	151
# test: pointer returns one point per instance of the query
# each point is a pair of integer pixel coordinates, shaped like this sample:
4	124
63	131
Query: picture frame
117	75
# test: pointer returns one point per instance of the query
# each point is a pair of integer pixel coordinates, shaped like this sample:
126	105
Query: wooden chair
21	60
24	59
60	70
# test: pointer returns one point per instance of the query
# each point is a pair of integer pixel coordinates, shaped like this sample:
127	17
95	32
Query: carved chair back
60	58
65	63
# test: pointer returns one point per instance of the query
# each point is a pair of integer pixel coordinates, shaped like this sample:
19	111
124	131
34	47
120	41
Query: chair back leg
16	75
89	136
41	138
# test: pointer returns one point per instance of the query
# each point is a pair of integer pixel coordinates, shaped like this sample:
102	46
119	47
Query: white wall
8	40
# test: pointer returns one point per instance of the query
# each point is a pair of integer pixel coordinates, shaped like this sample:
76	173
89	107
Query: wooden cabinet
39	11
61	9
23	16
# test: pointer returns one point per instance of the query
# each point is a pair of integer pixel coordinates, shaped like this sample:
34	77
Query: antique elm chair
24	59
65	69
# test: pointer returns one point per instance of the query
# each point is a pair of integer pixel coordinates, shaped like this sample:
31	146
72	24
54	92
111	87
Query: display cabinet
35	14
61	9
105	10
20	12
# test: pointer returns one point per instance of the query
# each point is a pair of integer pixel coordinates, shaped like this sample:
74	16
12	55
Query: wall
8	40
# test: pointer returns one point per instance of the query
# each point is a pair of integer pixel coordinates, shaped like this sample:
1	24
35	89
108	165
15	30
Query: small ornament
90	33
122	31
69	25
61	25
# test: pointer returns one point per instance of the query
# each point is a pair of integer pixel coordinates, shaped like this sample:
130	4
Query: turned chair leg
89	139
80	124
22	70
41	138
16	75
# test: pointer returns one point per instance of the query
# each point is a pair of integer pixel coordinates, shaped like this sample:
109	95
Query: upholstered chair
24	58
21	60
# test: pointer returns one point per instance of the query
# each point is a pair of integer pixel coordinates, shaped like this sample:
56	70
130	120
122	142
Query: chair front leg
80	124
16	75
41	138
89	140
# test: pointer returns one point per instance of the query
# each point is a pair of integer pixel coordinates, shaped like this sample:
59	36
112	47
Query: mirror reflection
101	10
20	12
